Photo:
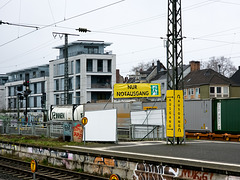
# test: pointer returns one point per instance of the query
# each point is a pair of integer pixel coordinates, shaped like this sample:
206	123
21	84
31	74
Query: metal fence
55	130
141	132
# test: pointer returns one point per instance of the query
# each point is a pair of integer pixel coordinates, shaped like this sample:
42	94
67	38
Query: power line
212	40
5	4
88	12
225	2
125	34
31	50
51	11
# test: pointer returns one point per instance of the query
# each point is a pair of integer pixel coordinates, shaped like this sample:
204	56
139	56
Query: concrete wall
104	165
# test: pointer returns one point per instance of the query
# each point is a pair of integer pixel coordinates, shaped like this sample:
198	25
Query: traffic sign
114	177
34	165
84	120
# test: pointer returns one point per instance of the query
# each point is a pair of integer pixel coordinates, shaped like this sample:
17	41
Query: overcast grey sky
211	28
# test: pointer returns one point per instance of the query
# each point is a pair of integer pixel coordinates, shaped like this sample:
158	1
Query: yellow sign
170	113
114	177
136	90
174	104
84	120
179	129
149	107
33	166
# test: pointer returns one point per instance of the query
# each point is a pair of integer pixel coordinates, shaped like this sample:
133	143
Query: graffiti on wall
107	165
191	174
144	171
77	133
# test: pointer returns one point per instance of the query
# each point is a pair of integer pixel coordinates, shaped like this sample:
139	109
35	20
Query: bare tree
143	66
221	65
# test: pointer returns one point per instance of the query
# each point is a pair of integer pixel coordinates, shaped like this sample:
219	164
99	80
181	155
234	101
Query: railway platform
199	155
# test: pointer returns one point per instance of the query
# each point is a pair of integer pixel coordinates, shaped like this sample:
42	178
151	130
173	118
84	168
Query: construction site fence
55	130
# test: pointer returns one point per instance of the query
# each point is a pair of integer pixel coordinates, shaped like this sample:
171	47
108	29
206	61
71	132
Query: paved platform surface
215	153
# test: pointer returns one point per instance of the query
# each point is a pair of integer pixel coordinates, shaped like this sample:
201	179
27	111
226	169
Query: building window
57	99
61	84
27	77
185	92
77	66
212	90
109	65
77	98
89	65
197	91
61	69
77	82
219	91
101	82
56	84
100	65
35	88
70	83
34	74
190	91
35	101
42	73
42	87
70	96
70	67
38	101
92	49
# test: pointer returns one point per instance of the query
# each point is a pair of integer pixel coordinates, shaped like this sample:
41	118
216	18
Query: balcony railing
101	85
82	52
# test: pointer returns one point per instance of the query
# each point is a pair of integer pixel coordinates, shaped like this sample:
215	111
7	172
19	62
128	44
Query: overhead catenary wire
5	4
66	19
186	9
46	26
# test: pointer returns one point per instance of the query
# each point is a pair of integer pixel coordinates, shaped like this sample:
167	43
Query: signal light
26	83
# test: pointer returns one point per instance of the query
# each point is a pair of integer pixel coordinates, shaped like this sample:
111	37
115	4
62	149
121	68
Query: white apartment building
38	83
3	80
91	72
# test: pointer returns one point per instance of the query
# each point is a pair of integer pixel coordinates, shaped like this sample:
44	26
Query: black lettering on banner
132	86
133	93
57	115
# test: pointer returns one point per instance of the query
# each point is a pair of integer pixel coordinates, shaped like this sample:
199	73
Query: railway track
22	170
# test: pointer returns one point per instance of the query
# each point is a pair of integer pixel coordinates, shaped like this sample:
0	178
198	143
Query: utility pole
174	46
26	94
65	52
174	50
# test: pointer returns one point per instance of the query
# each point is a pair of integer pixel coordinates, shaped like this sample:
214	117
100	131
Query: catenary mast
174	50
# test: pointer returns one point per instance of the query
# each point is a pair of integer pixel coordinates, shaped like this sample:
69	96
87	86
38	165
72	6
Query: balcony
101	85
83	52
101	82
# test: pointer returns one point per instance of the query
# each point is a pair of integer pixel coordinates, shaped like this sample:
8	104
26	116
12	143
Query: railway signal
34	167
26	94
